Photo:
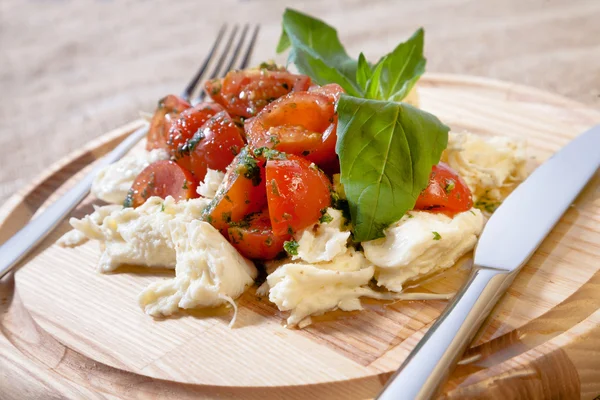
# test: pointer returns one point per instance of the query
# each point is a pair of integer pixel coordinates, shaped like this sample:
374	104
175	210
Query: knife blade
510	237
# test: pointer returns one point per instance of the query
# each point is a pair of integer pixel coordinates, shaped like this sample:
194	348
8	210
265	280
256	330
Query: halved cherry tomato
331	90
213	146
162	178
301	123
168	110
446	193
189	122
242	192
254	237
245	93
297	191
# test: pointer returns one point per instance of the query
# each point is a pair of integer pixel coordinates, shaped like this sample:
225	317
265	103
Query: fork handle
429	364
27	239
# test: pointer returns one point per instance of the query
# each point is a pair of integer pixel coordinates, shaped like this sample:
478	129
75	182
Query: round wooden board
81	334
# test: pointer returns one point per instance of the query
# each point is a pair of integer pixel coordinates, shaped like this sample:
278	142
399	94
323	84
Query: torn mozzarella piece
138	236
325	241
312	289
422	243
491	167
209	272
212	181
73	238
114	181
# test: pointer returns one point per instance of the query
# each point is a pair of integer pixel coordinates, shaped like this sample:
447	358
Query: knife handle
427	367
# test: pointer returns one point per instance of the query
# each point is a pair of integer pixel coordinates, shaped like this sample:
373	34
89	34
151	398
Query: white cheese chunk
422	243
212	181
312	289
114	181
325	241
138	236
209	272
491	167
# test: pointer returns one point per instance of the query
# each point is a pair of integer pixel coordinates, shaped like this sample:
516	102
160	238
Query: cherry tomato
245	93
168	110
331	90
162	178
189	122
242	192
254	237
301	123
213	146
446	193
297	191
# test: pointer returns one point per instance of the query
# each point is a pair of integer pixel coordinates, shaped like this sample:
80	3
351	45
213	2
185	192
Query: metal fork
30	236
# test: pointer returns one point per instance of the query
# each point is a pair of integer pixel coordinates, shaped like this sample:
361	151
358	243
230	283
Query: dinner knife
508	240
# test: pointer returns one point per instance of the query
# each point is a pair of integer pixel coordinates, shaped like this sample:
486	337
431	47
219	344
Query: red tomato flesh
301	123
446	193
243	192
245	93
254	238
162	178
168	110
189	122
297	191
213	146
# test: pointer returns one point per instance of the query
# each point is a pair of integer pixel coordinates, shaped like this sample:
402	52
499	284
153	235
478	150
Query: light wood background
72	70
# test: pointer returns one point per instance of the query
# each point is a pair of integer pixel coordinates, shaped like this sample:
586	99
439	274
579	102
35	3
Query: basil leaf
317	51
363	72
402	68
373	90
386	154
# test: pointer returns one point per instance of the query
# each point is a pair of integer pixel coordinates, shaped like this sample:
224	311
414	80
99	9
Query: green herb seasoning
436	236
325	217
291	247
450	185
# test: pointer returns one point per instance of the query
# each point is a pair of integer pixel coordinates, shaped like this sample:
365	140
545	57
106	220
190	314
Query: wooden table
72	71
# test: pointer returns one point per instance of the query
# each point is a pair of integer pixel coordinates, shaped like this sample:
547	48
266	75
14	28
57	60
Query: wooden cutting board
69	331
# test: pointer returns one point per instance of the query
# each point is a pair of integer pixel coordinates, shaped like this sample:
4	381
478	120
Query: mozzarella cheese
422	243
325	241
138	236
490	167
312	289
209	272
212	181
114	181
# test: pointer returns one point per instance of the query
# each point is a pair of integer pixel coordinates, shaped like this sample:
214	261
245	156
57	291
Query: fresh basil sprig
386	148
386	151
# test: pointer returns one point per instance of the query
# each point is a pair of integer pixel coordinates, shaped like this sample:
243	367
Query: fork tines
229	54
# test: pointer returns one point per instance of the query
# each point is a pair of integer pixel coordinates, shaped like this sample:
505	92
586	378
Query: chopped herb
269	154
325	217
129	199
228	198
290	231
162	207
274	188
436	236
291	247
209	219
450	185
185	184
472	212
313	166
235	150
269	241
489	206
274	139
226	216
248	167
190	145
409	215
286	216
293	105
341	204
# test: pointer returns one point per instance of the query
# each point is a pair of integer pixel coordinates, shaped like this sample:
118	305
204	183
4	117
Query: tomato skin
256	240
243	192
162	178
331	90
188	123
245	93
168	110
446	192
214	146
301	123
297	191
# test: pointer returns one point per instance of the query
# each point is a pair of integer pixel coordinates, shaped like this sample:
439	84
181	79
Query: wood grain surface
70	332
72	70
